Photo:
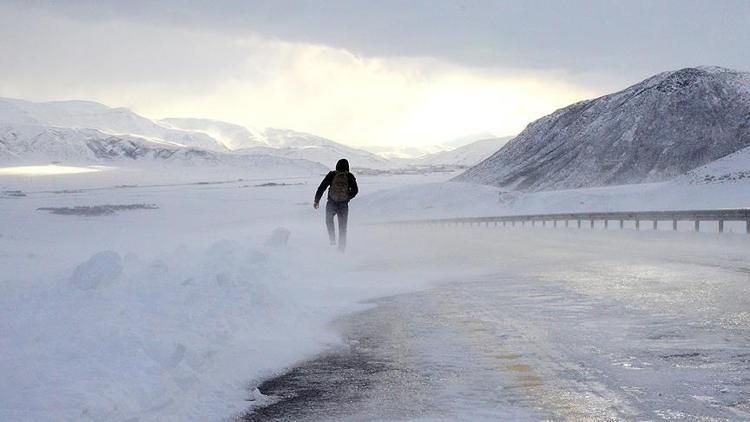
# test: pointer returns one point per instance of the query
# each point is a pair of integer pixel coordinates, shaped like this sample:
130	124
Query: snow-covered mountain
467	139
293	144
466	155
27	144
655	130
91	115
405	152
230	135
280	142
84	131
433	154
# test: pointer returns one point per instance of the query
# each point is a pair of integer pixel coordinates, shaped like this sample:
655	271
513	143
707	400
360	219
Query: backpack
339	191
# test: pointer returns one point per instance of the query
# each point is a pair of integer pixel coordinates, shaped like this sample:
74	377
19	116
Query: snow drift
177	336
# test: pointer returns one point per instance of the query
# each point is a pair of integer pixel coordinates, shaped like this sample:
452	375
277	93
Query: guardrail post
554	224
606	224
697	225
591	226
622	224
637	224
674	224
579	223
566	223
747	226
656	225
721	226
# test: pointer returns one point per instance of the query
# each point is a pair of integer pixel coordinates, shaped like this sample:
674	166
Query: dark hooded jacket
341	166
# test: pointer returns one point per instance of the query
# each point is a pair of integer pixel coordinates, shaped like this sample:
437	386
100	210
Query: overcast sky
359	72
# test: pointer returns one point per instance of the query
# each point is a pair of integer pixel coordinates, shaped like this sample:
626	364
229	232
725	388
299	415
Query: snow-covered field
458	199
178	312
167	313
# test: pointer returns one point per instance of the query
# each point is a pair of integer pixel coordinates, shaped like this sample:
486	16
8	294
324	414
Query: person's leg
330	212
343	213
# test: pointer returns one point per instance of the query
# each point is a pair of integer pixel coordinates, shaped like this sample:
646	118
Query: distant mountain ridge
34	144
230	135
655	130
466	155
91	115
85	131
280	142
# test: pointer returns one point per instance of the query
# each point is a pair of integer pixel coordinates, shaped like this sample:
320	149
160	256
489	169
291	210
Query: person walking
342	187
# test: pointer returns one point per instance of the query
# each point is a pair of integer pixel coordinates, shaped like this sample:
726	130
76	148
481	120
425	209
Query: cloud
637	37
359	72
164	71
366	101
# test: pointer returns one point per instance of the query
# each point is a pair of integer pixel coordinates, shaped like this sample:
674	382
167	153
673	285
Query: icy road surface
584	335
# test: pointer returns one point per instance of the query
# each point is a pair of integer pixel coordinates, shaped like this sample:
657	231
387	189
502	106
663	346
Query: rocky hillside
655	130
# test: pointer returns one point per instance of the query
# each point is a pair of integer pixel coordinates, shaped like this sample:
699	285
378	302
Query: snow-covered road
643	337
518	349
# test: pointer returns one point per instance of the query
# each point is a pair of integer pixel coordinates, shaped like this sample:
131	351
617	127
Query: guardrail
696	216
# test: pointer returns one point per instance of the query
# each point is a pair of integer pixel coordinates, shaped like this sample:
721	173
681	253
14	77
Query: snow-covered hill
655	130
280	142
424	154
733	167
404	153
230	135
293	144
466	155
30	144
91	115
84	132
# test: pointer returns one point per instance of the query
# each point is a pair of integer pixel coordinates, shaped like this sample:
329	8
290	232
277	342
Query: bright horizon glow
49	170
374	102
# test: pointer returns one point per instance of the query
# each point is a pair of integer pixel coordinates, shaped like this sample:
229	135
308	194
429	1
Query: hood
342	165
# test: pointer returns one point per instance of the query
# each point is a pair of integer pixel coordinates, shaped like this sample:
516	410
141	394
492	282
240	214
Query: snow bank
101	268
180	336
430	200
